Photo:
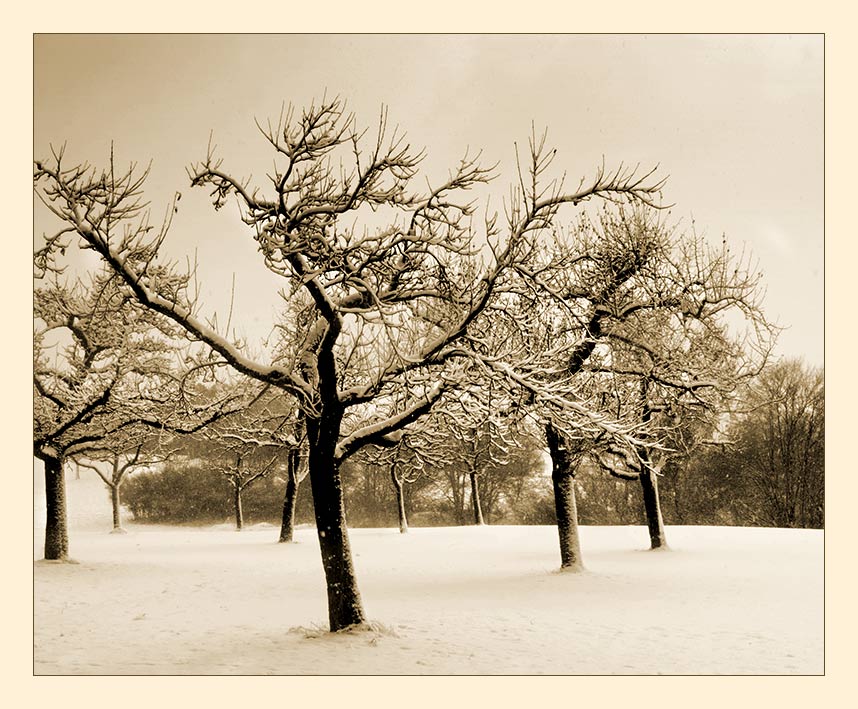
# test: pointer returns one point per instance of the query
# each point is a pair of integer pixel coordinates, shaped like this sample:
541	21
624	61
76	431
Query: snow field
458	600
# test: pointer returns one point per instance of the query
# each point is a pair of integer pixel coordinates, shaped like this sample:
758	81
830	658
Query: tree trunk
475	499
345	608
565	505
654	521
287	525
115	504
678	492
649	484
400	501
457	496
56	525
239	517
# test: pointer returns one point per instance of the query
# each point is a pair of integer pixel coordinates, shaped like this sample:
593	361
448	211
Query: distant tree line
767	469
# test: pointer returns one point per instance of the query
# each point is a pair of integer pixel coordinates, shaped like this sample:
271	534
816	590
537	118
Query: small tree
267	436
407	461
241	474
478	426
507	486
123	458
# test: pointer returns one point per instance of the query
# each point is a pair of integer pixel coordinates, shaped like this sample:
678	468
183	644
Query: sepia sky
736	122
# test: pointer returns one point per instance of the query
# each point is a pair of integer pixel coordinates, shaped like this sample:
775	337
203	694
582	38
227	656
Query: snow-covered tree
475	434
103	368
681	343
638	320
395	271
241	473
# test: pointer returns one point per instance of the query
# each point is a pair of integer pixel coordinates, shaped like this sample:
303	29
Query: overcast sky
736	122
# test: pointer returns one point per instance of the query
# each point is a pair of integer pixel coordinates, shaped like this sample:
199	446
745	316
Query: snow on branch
396	279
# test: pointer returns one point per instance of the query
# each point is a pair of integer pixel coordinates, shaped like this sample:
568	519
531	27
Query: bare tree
123	457
390	304
477	424
407	460
414	456
684	360
634	316
241	474
400	477
264	438
777	450
102	367
460	447
506	484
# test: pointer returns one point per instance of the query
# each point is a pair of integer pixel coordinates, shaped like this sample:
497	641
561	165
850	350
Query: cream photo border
416	692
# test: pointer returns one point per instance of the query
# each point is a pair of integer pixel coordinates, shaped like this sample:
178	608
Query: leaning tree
395	273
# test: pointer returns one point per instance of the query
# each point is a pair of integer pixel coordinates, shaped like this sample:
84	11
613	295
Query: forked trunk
56	525
654	521
287	524
565	505
475	499
400	501
345	608
239	517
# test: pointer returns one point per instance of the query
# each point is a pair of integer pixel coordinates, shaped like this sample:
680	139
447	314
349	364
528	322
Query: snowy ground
462	600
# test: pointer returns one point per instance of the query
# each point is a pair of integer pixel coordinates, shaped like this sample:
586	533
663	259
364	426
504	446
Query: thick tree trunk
239	517
475	499
400	501
115	504
56	525
287	524
345	608
654	521
565	505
